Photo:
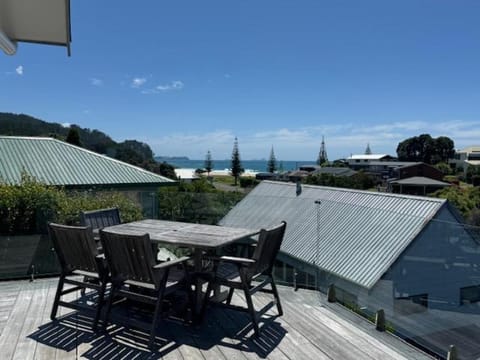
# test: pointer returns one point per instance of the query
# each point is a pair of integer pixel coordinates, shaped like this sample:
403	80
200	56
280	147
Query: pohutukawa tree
424	148
237	168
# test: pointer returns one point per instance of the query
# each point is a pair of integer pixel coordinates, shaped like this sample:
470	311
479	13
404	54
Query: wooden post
452	353
380	320
331	294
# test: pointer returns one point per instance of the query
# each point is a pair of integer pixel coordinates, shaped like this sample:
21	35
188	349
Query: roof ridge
366	192
105	157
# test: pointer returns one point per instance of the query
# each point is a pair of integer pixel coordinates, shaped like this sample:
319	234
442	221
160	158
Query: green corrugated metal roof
55	162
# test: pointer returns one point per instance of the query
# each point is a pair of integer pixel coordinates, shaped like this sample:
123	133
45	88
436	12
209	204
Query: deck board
309	329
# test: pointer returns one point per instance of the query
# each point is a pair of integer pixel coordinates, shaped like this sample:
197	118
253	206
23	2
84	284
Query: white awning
35	21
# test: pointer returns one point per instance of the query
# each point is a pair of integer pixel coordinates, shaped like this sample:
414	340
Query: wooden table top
184	234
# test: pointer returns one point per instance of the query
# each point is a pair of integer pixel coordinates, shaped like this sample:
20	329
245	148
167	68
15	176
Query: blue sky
188	76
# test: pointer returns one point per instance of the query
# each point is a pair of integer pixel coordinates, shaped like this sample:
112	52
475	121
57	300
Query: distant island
171	158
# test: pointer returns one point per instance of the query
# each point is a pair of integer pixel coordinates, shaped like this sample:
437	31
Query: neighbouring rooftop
310	328
55	162
394	221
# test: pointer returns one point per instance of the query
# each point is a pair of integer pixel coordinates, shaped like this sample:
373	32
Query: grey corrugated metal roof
55	162
337	171
419	180
393	163
356	235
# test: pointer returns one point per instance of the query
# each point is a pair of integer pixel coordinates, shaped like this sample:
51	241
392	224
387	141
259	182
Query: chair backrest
129	257
101	218
269	242
75	247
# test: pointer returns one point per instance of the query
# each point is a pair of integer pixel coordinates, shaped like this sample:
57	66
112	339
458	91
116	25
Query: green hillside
130	151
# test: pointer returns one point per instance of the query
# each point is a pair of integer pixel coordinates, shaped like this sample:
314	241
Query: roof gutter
8	46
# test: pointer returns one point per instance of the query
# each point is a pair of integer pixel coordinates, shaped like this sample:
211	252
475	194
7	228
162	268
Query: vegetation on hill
130	151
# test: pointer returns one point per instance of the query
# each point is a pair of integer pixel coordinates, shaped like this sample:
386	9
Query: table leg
197	261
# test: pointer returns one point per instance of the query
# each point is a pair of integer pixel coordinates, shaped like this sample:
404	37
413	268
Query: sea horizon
248	165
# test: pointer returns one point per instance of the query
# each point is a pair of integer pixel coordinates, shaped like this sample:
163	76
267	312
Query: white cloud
19	70
174	85
96	82
304	143
138	82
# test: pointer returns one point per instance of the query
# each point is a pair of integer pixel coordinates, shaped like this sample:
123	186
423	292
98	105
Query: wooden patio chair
136	276
78	257
98	219
239	273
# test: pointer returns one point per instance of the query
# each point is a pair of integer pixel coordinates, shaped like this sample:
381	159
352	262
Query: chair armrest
170	263
237	260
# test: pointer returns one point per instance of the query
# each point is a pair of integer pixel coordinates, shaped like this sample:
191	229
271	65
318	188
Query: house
410	256
58	163
187	175
335	171
416	179
386	169
416	185
362	161
418	169
469	156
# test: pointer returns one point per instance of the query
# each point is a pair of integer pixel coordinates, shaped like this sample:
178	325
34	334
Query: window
411	304
470	294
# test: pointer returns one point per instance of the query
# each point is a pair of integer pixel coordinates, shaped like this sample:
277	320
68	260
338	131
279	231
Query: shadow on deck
309	329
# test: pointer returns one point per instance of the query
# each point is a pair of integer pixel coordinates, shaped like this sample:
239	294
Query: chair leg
230	295
58	295
101	296
205	301
277	298
109	305
251	311
156	316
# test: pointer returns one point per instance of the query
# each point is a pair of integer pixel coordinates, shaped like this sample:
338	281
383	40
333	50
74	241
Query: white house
362	161
466	157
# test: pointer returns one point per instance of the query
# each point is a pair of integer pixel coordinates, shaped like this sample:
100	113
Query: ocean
248	165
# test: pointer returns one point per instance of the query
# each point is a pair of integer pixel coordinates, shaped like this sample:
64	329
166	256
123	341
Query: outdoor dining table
199	237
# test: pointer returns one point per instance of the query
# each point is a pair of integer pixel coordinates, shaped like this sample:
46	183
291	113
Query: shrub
197	202
71	203
28	207
248	182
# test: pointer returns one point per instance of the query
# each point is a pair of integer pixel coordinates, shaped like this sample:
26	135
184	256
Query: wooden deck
309	329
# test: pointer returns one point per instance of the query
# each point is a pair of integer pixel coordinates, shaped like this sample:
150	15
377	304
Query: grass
224	179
